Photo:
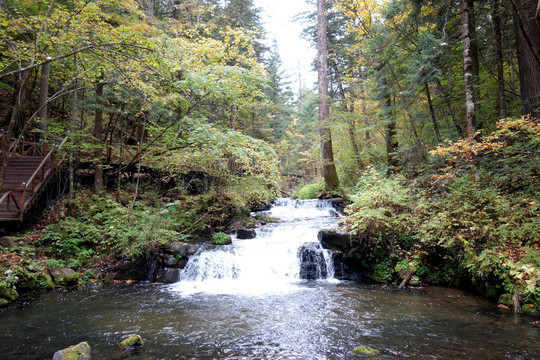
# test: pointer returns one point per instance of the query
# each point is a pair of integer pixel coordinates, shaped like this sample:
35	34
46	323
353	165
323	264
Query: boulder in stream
132	342
168	276
312	262
80	351
64	276
181	248
244	234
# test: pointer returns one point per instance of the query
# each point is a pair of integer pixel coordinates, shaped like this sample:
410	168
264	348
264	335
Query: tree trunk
329	166
351	130
44	94
528	46
497	34
150	9
175	9
98	133
446	98
432	112
468	67
72	129
389	123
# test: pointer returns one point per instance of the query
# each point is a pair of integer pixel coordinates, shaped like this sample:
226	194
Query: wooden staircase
29	170
31	167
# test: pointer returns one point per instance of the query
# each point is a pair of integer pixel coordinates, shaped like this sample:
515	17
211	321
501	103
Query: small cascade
272	261
315	262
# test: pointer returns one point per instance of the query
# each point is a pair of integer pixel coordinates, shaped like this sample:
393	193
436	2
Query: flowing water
246	301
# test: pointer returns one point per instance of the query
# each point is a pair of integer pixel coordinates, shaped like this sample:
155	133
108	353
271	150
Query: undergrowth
465	217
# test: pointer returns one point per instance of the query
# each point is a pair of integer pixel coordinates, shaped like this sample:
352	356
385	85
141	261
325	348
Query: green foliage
229	158
96	225
221	238
379	204
454	225
310	191
382	272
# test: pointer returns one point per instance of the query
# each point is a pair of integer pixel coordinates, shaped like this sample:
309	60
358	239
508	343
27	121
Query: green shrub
309	191
221	238
382	272
100	225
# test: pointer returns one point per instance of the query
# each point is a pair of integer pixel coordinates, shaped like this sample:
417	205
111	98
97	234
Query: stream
248	301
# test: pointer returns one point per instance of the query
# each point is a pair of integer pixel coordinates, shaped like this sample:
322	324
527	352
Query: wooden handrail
42	165
9	194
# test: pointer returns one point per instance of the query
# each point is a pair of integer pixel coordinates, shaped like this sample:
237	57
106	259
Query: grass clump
309	191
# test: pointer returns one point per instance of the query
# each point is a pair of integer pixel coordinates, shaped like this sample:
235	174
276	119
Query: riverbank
99	239
467	218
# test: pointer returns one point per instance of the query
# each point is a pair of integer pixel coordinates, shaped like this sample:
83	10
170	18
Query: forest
425	120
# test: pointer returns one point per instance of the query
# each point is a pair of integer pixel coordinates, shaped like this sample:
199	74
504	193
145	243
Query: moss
365	350
132	341
68	280
221	239
4	302
80	351
45	281
8	293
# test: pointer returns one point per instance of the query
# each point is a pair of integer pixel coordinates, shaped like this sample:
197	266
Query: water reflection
290	319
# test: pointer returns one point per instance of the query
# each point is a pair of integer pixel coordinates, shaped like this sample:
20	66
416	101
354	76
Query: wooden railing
22	147
9	197
30	189
116	153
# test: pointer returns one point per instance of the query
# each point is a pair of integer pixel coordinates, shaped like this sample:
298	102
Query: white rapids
267	264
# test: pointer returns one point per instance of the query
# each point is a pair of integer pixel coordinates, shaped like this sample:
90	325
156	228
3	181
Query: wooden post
21	200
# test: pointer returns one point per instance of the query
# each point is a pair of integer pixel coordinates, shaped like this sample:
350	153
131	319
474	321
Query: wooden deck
30	167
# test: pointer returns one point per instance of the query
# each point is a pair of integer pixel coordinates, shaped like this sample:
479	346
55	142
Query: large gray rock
243	234
64	276
7	242
335	239
181	248
80	351
168	276
312	262
169	261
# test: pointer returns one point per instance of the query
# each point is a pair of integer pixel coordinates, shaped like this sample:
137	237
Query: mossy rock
365	350
4	302
221	239
80	351
45	281
132	342
65	276
68	280
8	293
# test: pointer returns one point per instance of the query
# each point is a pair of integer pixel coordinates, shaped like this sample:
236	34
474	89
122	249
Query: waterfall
269	263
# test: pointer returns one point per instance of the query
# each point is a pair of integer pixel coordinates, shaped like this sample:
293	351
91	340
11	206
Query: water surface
246	301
